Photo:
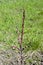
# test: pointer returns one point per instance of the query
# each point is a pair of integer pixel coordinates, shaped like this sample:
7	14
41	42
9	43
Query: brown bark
21	60
20	40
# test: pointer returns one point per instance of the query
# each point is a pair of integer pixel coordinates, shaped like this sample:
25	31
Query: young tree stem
22	33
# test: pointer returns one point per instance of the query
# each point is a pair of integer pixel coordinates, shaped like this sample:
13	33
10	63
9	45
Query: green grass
11	16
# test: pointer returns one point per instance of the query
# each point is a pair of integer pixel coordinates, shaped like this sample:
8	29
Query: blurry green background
11	17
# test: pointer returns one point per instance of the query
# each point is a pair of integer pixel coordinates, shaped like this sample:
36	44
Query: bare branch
22	25
19	35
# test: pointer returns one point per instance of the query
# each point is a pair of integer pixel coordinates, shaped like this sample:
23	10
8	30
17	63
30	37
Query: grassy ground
11	16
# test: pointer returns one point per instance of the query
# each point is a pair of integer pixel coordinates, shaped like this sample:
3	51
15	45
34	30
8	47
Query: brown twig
22	26
22	32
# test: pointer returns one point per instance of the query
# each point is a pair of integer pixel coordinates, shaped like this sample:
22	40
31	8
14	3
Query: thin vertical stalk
22	26
22	32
